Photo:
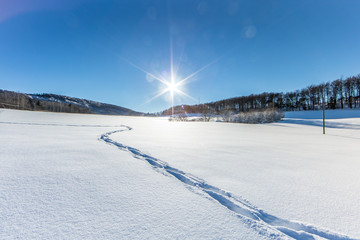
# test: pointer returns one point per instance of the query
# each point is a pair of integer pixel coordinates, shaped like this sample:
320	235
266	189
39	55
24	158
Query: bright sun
172	87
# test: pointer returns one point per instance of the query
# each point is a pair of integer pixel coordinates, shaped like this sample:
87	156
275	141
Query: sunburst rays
172	84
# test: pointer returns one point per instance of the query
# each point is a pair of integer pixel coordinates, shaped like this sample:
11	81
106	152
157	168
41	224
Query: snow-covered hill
75	176
59	103
94	107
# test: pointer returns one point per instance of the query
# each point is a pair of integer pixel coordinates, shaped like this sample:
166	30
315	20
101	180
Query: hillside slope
59	103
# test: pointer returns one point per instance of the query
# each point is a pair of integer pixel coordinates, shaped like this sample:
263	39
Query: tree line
337	94
14	100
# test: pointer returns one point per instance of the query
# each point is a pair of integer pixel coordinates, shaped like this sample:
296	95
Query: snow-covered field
73	176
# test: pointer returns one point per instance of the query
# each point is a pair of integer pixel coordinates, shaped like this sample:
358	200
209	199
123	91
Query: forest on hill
337	94
59	103
21	101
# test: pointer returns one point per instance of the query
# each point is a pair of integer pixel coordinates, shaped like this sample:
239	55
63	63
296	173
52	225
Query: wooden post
323	106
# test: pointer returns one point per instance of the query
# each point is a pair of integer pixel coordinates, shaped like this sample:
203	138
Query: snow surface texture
57	182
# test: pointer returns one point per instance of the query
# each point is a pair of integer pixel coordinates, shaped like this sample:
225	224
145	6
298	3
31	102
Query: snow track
264	223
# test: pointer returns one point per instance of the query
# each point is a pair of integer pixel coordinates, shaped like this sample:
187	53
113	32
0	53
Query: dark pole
323	106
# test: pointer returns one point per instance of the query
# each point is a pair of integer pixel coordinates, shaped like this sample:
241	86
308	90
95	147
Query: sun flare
172	87
172	84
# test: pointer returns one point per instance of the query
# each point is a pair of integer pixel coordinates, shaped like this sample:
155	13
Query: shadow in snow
318	123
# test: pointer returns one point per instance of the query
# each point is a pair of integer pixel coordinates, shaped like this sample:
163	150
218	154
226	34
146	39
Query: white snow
62	177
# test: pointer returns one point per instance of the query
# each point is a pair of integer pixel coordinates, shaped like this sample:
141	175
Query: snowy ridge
264	223
93	106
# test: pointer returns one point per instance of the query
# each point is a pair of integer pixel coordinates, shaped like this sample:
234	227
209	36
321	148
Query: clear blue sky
82	48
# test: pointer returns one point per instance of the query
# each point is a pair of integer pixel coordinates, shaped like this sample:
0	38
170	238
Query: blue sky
85	48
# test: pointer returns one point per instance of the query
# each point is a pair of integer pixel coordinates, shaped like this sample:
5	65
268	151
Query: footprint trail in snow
264	223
